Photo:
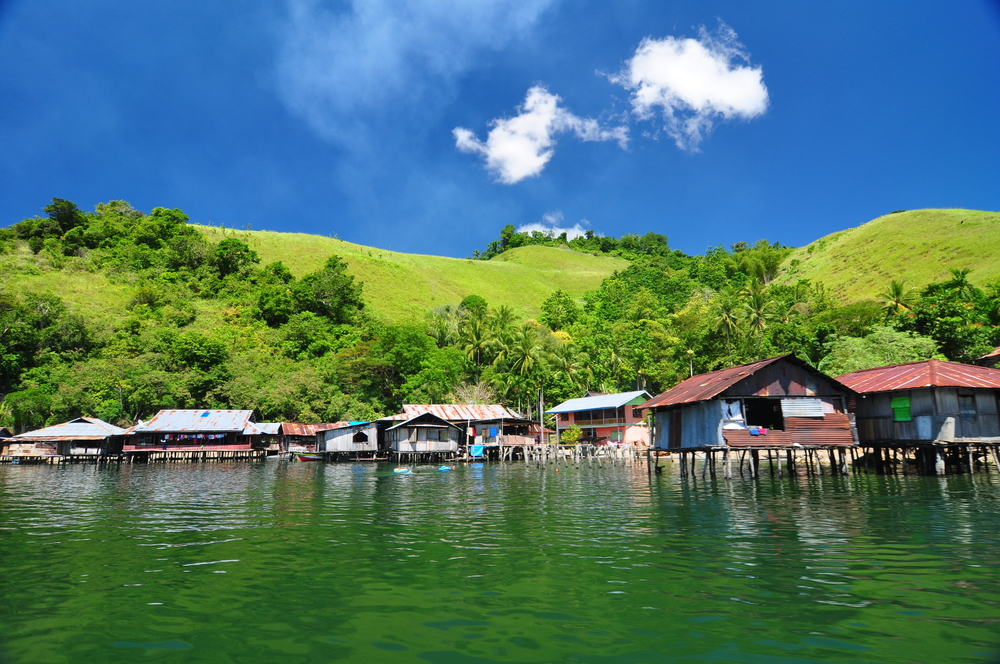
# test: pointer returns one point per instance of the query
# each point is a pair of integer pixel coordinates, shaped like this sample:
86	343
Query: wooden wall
936	416
782	379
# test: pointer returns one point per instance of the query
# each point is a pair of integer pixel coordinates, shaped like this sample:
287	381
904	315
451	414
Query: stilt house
300	437
930	402
196	430
482	425
778	402
349	438
84	436
423	434
605	417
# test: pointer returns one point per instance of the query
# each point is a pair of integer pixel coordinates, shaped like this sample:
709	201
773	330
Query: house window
900	409
967	406
637	413
764	413
564	417
360	437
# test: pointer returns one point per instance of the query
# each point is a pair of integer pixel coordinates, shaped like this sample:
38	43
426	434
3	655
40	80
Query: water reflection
493	563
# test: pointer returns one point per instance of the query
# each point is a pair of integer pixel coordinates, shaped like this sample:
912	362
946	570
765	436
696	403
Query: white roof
602	401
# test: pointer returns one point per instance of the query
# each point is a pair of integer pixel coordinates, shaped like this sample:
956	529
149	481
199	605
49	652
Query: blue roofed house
605	417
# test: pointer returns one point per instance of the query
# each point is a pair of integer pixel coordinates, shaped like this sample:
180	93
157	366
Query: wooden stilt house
82	437
778	402
424	434
927	402
349	438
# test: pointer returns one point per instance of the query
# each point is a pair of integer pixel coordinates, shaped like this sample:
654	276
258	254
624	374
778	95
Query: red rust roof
300	429
705	386
929	373
993	353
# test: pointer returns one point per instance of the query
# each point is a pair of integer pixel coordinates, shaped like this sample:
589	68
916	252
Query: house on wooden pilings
948	410
349	439
80	438
302	437
485	429
780	402
424	436
210	434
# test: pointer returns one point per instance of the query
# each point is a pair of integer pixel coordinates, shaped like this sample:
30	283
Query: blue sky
426	126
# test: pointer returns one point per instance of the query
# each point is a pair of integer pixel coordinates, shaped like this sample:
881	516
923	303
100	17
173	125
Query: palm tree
567	360
897	298
961	284
758	312
726	309
476	339
523	352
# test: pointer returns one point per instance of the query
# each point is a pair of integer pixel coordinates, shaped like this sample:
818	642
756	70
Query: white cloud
344	69
520	147
550	225
694	83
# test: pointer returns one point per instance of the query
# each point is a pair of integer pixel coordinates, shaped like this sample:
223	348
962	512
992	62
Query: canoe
306	456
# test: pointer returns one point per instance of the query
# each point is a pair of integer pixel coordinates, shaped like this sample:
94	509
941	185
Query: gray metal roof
265	428
602	401
82	428
168	421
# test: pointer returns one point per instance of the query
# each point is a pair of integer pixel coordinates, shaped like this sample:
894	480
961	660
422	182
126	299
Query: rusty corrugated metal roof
169	421
300	429
458	412
707	386
82	428
993	353
929	373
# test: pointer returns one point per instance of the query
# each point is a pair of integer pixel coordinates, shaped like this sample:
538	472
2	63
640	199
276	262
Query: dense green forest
307	348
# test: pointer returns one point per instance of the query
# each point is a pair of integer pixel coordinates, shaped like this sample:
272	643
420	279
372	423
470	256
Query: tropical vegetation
194	318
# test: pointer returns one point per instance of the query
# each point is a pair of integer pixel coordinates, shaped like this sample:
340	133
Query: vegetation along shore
117	314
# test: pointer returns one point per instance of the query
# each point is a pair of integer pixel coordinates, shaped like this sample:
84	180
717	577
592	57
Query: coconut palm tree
727	316
569	361
897	298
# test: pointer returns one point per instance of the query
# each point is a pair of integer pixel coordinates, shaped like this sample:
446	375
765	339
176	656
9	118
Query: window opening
901	409
764	413
360	437
967	406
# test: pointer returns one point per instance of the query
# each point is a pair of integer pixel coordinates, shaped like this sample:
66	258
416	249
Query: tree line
307	349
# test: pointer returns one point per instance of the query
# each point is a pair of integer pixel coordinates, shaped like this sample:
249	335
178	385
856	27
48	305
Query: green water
294	562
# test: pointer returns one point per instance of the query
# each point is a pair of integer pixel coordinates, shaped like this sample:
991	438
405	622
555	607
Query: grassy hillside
396	285
399	285
919	246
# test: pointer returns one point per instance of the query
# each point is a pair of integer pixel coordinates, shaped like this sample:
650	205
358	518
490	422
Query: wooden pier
779	462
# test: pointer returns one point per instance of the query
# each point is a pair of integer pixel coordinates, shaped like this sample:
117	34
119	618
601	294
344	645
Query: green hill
396	285
399	285
918	246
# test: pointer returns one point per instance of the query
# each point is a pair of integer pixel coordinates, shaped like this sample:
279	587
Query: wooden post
754	464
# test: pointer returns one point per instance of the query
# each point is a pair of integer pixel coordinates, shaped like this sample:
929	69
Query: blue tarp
476	450
493	432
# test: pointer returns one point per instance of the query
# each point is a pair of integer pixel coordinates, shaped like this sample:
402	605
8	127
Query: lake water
292	562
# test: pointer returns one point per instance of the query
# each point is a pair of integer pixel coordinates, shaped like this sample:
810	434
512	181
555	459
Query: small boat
308	456
445	468
401	470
